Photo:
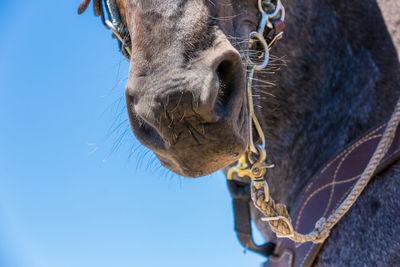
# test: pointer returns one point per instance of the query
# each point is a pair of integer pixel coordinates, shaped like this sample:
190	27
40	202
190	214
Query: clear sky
76	188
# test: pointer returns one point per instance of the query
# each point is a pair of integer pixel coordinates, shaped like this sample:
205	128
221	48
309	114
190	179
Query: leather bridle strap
112	21
241	208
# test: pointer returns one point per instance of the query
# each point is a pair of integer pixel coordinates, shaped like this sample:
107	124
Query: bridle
113	21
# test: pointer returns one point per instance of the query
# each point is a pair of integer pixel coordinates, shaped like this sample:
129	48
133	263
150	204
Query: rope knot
322	231
276	214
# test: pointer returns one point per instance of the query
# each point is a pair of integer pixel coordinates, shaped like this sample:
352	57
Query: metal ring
283	12
279	8
257	36
260	153
260	6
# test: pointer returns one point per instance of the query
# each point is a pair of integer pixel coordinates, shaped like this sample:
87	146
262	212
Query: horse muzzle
194	117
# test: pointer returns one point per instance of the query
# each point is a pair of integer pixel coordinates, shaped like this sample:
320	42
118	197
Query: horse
334	75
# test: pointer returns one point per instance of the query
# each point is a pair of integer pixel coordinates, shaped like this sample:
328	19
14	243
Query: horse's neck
341	77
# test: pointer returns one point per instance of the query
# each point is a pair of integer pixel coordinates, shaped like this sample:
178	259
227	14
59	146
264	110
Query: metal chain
252	163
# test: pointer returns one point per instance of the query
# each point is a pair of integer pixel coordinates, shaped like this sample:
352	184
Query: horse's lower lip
201	160
184	171
195	174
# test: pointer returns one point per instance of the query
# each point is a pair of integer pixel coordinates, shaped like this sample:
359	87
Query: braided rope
277	214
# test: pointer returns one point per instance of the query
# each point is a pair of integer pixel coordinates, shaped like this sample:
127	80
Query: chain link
252	163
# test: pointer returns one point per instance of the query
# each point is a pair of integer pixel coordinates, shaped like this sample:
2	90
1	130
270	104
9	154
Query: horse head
186	100
186	89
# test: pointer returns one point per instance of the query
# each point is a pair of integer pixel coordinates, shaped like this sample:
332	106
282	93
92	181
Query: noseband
113	21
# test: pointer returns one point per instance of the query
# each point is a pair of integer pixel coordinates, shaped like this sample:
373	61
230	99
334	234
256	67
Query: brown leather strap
326	190
240	193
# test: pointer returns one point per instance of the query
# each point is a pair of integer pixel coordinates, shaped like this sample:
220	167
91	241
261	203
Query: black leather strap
241	207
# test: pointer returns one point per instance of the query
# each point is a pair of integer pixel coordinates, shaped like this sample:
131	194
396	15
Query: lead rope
252	163
277	215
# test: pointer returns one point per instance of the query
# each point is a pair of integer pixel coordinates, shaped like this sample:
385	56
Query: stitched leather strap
241	208
326	190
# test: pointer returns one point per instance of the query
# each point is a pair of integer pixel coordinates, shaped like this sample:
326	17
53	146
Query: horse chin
202	159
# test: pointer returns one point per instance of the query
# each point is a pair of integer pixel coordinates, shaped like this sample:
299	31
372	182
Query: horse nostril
223	76
227	72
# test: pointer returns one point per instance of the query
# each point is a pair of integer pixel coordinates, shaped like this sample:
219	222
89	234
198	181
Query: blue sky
76	188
